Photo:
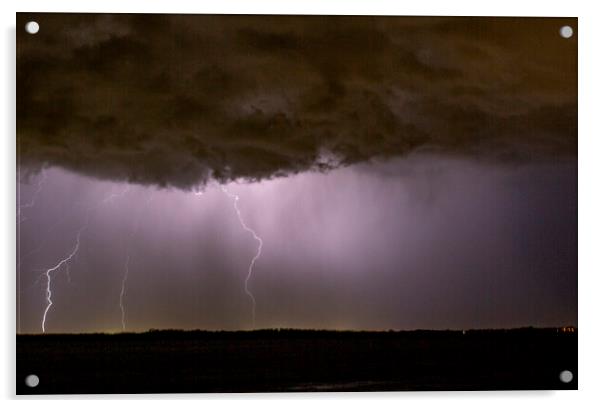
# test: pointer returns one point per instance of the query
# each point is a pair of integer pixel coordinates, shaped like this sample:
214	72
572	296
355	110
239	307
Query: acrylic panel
271	203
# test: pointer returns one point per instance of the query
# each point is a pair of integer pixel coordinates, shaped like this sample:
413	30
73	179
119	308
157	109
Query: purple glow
425	241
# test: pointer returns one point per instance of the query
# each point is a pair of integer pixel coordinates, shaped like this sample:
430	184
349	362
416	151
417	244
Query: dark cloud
179	99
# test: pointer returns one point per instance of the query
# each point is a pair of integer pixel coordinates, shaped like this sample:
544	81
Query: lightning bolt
257	254
34	197
21	258
127	266
62	262
72	254
122	294
20	220
41	274
42	244
112	196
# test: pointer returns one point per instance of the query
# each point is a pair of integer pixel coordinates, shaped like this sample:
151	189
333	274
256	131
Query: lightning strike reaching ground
65	261
42	274
122	294
49	271
127	266
21	219
257	254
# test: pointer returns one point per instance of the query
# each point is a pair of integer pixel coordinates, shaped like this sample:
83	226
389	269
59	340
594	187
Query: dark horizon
298	361
560	329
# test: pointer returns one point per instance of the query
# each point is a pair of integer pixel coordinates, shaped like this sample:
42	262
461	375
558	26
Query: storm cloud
179	100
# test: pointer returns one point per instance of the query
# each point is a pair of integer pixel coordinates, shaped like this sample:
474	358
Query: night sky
398	172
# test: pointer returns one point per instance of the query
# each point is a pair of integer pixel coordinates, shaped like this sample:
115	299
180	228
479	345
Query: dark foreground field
296	360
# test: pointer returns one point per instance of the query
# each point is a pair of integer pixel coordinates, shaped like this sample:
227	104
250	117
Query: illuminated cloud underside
179	100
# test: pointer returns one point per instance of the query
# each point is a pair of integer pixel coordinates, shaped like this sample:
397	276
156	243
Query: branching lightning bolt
62	262
20	208
257	254
72	254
